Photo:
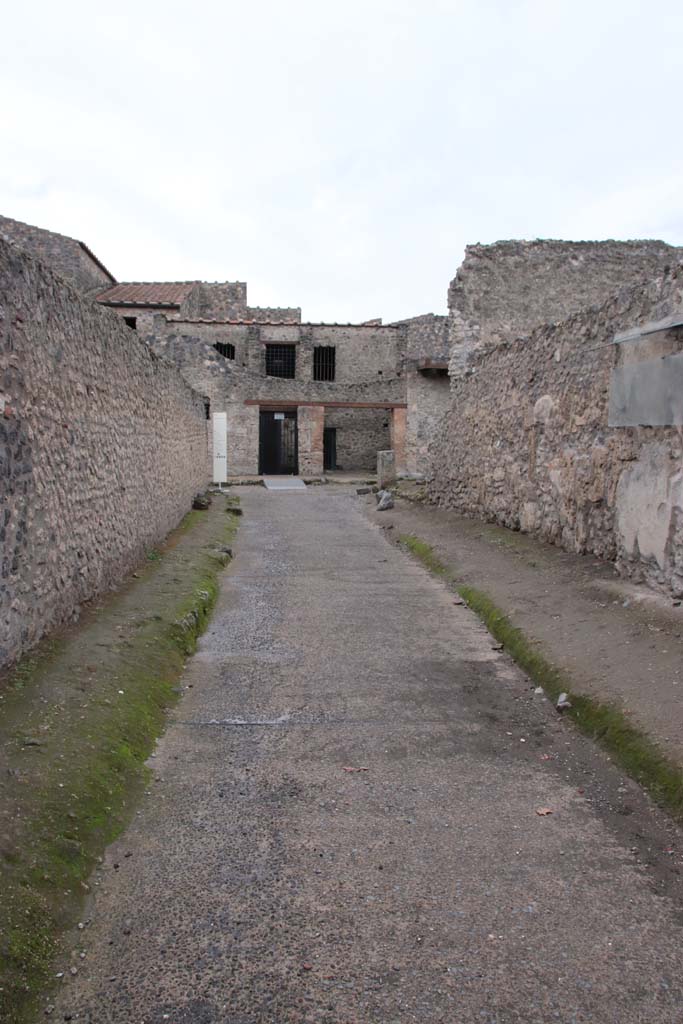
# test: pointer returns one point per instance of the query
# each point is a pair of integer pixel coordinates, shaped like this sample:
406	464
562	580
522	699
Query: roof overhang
138	305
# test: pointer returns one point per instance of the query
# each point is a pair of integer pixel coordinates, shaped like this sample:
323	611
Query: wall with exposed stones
361	433
426	338
504	290
223	298
526	442
274	313
363	353
102	447
69	257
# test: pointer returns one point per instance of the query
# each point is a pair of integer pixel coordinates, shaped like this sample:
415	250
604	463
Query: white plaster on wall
649	493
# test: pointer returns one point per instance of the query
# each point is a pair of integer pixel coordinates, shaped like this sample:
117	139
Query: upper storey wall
362	354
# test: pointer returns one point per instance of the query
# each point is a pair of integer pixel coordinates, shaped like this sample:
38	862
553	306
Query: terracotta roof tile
170	293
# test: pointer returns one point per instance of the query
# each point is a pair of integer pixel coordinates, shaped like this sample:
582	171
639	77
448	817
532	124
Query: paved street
343	827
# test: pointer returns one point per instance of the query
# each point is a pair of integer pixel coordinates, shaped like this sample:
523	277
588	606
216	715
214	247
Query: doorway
278	443
329	449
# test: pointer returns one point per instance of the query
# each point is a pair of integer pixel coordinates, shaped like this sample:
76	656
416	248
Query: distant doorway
329	448
278	443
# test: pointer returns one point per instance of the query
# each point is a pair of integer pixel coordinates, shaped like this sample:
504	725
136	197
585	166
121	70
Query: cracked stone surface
263	882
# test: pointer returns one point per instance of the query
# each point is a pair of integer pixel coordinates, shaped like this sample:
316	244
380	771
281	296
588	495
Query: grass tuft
632	749
77	784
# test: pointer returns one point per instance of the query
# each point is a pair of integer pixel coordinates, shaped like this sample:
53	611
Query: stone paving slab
284	483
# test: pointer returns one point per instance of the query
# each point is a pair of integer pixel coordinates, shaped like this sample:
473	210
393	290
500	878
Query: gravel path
344	827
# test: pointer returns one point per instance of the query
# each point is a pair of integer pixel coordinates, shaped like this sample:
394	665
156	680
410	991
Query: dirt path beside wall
617	642
362	813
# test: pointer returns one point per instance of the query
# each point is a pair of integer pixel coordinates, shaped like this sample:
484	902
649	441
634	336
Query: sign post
220	448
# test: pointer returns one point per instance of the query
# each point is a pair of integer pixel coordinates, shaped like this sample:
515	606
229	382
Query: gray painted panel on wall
648	394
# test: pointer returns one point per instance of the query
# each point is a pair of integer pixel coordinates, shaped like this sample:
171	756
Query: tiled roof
170	293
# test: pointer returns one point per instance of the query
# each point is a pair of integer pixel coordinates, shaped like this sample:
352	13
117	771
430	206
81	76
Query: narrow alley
361	812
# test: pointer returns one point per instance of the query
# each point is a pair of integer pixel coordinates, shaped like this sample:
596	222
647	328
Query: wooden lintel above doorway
264	404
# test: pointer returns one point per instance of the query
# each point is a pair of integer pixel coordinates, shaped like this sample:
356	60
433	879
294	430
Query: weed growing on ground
82	739
632	749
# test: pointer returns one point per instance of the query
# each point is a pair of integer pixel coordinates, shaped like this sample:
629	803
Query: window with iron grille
323	362
225	349
281	360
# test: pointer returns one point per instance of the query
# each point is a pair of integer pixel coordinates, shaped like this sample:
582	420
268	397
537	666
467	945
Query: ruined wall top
67	256
425	336
505	289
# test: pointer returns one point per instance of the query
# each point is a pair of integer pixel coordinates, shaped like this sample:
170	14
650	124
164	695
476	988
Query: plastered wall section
102	448
526	442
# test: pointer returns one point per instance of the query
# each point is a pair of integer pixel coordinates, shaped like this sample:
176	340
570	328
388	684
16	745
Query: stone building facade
139	302
348	379
353	379
102	448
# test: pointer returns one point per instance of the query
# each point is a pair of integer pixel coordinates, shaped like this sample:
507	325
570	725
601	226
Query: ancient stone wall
102	447
428	397
361	433
67	256
226	299
274	313
426	337
526	442
504	290
144	318
363	353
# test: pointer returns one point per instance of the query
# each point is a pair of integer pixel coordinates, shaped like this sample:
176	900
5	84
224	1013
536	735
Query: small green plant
632	750
88	766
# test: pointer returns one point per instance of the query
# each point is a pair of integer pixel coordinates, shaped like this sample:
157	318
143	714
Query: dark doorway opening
278	444
330	448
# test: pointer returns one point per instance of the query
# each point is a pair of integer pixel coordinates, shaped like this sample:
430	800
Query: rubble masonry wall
526	442
102	447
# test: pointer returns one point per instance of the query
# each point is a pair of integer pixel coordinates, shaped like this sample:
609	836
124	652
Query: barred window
281	360
225	349
324	362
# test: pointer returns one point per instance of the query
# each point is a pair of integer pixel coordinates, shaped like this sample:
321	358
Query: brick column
311	423
398	439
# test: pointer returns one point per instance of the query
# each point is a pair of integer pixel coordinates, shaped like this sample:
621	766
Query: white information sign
220	447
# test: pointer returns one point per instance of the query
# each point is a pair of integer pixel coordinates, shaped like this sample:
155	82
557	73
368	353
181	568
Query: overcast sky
339	156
